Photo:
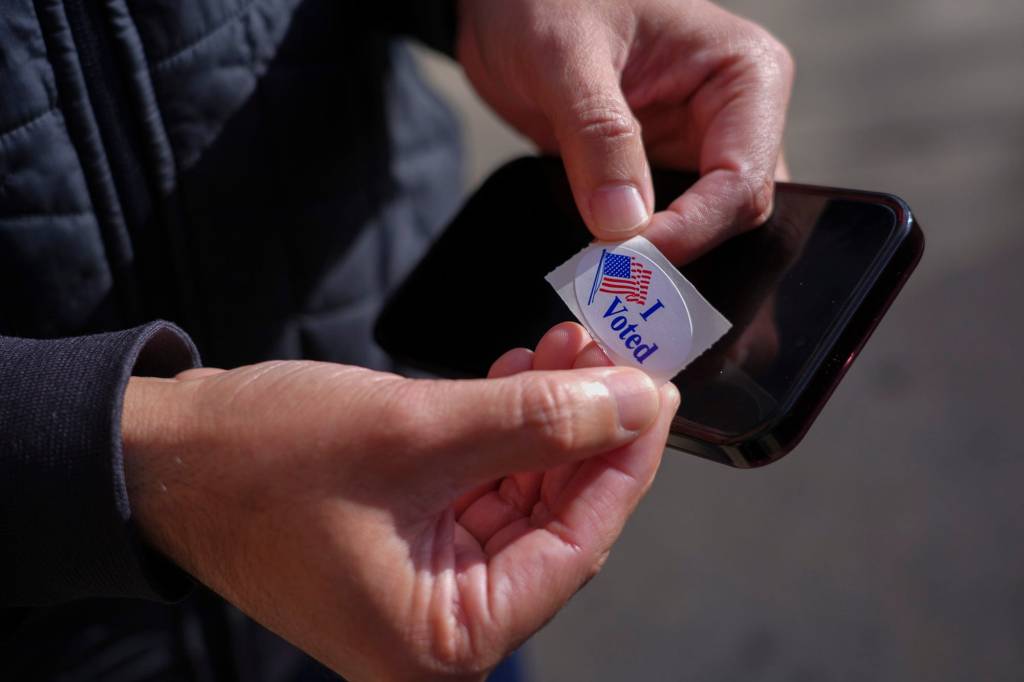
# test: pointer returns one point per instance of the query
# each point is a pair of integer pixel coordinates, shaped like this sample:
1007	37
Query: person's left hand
608	84
396	528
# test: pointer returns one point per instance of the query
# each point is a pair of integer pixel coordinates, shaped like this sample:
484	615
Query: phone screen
787	287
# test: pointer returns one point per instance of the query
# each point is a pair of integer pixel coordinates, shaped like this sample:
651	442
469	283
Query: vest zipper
138	245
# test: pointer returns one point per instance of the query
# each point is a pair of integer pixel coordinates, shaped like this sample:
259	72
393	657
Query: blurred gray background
890	545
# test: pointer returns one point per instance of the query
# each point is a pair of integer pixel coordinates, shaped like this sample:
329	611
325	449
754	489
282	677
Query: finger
560	346
496	509
555	481
470	498
513	362
741	111
198	373
537	564
597	501
598	136
592	356
493	505
533	421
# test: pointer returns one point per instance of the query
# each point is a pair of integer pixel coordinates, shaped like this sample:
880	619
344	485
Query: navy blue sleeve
66	527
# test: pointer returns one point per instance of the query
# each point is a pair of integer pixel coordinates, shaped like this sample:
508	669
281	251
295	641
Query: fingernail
636	396
618	208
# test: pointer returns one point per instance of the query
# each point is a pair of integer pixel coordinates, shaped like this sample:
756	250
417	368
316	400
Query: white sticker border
708	324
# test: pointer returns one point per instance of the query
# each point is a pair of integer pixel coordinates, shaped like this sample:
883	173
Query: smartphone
803	293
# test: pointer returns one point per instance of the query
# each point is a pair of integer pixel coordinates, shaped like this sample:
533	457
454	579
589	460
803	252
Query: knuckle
407	403
784	58
605	119
768	53
546	412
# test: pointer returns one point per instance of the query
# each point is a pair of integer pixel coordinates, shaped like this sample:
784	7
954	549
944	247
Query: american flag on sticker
624	276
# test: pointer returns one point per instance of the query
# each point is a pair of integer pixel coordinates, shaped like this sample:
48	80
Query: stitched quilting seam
180	53
32	120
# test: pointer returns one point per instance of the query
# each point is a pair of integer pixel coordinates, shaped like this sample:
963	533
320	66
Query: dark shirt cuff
66	527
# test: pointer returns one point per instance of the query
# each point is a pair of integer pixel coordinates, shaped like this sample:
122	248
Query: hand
396	529
609	84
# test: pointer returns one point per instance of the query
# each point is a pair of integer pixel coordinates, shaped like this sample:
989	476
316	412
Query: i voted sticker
634	308
638	306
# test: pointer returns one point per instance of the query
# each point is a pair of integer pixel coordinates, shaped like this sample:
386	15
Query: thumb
600	141
533	421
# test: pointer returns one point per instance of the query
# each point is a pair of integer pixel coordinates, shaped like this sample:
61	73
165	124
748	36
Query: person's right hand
614	86
396	529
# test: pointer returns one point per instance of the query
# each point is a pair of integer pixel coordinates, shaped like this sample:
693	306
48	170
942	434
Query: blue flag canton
618	266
